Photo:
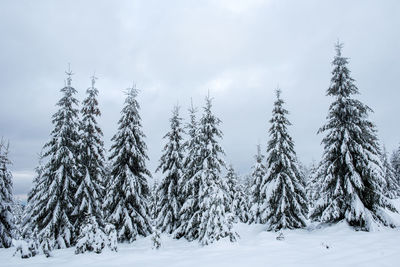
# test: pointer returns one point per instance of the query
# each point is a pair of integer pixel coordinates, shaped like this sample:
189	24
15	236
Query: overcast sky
175	50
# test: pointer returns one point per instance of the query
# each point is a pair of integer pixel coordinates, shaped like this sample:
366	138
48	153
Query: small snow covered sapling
46	245
111	240
280	236
91	237
156	239
325	245
27	249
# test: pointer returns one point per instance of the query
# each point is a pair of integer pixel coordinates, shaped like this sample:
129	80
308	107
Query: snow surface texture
336	245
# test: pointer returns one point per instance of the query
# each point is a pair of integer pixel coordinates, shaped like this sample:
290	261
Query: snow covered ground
336	245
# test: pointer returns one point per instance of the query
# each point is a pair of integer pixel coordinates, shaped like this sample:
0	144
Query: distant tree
171	165
238	205
304	173
107	184
29	229
154	200
53	195
285	203
90	192
258	197
17	209
395	161
246	183
350	171
6	198
231	179
128	195
392	189
313	186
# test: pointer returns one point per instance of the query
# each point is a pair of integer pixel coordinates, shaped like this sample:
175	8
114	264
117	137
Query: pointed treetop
176	109
278	92
192	109
208	100
94	78
69	73
338	48
258	151
132	91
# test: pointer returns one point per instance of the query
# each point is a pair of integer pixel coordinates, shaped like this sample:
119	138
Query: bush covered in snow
92	238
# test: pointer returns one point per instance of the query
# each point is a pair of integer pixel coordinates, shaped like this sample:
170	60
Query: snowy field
336	245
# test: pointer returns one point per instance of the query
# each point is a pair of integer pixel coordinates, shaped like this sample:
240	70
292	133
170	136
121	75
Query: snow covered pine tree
51	214
128	196
171	165
312	187
392	189
90	191
285	203
188	185
6	198
395	161
238	205
350	171
257	199
91	236
208	199
154	199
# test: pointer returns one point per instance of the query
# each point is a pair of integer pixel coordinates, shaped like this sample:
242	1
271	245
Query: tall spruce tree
171	165
209	220
191	148
52	213
128	196
6	198
258	197
350	171
90	191
285	204
189	185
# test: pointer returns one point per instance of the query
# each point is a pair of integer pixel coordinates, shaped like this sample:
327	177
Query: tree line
81	198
